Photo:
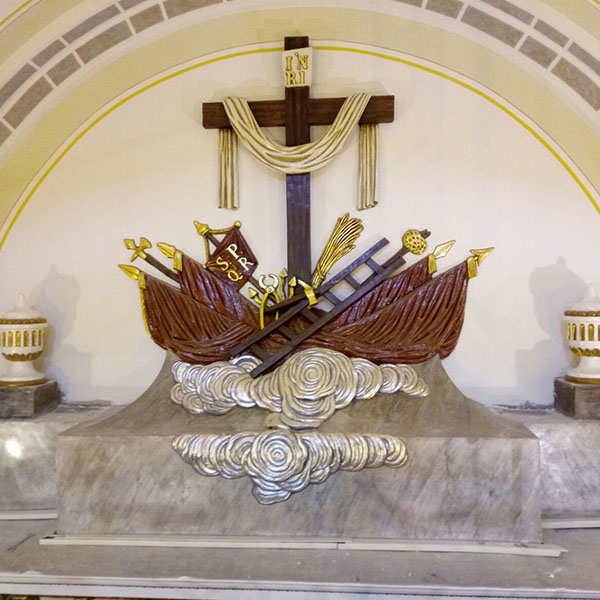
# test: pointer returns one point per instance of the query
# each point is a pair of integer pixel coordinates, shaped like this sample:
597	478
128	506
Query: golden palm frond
341	241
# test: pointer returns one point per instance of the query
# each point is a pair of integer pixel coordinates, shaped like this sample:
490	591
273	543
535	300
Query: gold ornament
138	249
341	241
414	241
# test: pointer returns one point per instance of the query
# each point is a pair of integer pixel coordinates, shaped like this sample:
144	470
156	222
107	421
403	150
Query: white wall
451	162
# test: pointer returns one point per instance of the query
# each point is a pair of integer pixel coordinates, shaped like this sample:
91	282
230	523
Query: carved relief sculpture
293	345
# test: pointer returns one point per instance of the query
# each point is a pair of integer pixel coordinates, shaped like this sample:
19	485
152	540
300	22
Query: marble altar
471	475
28	458
569	459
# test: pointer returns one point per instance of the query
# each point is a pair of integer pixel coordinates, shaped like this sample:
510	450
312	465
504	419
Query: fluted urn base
586	372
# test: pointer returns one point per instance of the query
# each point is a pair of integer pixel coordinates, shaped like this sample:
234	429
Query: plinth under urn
582	321
22	333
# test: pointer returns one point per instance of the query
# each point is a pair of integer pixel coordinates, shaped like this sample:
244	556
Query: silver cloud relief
302	393
282	462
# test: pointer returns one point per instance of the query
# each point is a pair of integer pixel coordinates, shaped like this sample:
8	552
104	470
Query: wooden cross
297	113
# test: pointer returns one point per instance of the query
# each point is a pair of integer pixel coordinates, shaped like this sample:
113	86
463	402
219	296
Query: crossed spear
139	251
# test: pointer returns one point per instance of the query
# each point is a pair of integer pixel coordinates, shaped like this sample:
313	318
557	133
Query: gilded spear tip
474	261
481	253
167	249
439	252
171	252
201	228
443	249
132	272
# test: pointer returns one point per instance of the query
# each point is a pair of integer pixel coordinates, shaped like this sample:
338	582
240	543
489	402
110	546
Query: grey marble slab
578	400
472	474
27	102
63	69
28	400
551	33
28	458
570	464
491	25
538	52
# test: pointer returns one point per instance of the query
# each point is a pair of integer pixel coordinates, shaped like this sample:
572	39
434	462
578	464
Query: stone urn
22	333
582	321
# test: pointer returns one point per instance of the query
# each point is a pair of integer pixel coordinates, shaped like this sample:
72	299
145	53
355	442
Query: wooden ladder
300	306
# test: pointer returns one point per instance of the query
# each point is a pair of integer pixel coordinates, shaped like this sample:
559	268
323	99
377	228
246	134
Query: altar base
570	455
471	475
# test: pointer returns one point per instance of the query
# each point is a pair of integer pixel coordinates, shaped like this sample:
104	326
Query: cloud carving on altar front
303	392
282	462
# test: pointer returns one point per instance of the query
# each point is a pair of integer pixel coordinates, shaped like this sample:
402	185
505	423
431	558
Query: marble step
28	460
570	459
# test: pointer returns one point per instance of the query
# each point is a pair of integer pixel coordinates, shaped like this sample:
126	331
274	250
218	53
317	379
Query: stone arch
543	66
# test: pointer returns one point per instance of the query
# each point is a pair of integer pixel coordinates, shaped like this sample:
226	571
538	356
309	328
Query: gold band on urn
22	338
582	330
22	357
22	321
586	351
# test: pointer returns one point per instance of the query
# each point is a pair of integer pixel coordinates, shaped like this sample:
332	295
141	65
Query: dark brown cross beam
297	113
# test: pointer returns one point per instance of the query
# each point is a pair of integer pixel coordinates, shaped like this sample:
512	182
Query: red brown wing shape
421	324
221	296
189	328
385	293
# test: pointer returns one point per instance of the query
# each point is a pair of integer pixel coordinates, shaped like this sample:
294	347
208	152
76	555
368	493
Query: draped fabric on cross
295	159
202	321
228	172
304	158
367	166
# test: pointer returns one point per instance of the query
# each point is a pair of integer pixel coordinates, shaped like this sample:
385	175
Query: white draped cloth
304	158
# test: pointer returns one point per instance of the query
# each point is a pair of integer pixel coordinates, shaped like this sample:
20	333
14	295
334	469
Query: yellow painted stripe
503	108
14	12
108	112
403	61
